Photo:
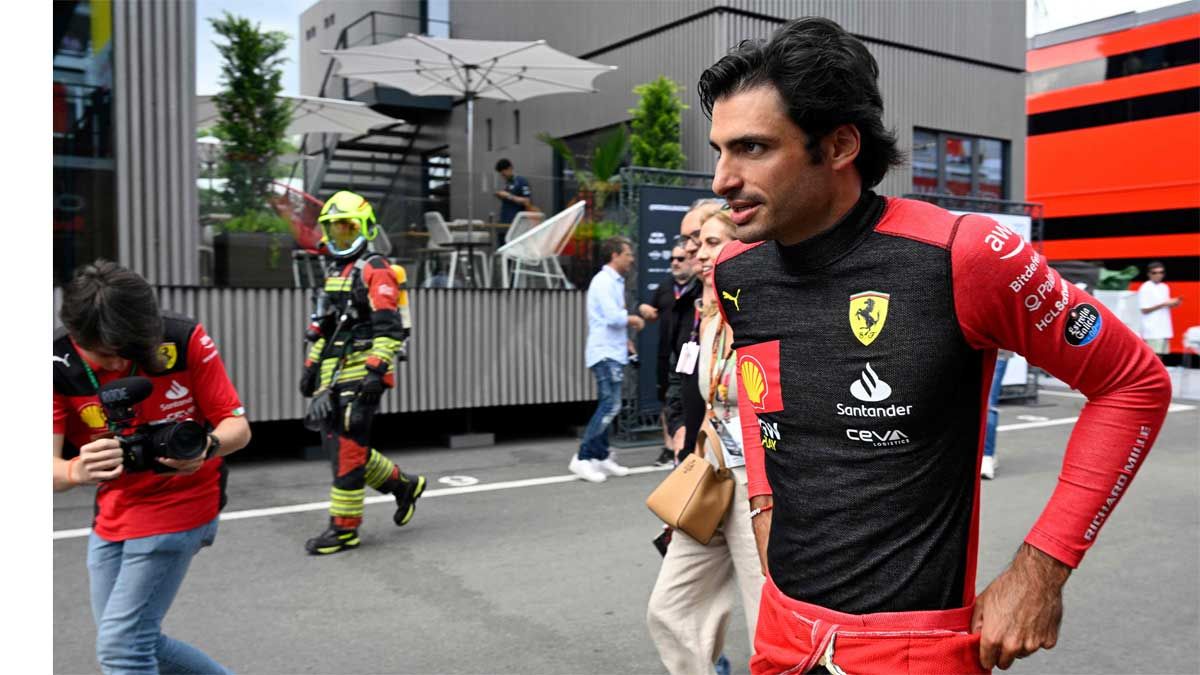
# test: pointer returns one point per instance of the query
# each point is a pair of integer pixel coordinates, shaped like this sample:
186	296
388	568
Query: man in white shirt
1155	301
606	353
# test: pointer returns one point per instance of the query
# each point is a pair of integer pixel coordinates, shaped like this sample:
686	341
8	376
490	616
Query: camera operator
149	520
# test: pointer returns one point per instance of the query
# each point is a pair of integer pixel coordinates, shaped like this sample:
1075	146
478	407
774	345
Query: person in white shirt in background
606	353
1155	301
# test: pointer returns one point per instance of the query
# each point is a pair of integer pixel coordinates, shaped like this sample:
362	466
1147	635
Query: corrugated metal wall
919	89
985	30
676	52
573	26
923	90
153	83
470	349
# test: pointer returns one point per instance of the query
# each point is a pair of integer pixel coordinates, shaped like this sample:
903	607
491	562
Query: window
436	171
84	183
489	134
310	33
329	20
516	127
959	164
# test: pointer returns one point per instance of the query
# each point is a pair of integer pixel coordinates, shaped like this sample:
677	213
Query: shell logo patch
758	376
93	416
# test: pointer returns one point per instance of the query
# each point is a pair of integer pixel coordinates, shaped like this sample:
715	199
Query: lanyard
87	368
92	376
696	324
718	354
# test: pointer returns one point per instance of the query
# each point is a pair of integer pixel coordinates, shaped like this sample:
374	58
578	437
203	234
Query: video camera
142	443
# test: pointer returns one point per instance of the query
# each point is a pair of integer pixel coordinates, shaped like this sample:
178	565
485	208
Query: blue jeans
133	584
609	375
993	417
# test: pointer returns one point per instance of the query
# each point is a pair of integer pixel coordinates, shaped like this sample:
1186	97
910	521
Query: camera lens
184	440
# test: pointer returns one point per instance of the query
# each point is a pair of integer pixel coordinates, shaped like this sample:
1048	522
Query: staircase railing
313	181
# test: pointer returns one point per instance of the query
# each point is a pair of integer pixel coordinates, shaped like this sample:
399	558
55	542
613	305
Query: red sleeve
215	394
756	472
381	287
1007	297
61	411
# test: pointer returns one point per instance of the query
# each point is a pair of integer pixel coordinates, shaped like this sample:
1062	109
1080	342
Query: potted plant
252	247
596	183
254	250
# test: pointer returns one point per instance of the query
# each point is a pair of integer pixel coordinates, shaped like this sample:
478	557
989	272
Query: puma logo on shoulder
733	298
64	359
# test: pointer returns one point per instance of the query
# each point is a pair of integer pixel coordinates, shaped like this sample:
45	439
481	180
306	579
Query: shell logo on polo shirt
868	313
93	416
758	376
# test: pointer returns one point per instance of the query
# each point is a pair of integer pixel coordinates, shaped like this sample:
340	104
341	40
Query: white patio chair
440	237
535	253
522	223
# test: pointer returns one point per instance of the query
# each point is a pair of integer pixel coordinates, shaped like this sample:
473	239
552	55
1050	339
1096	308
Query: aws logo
758	376
770	434
93	416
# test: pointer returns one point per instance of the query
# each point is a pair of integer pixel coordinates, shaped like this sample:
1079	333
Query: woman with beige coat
697	587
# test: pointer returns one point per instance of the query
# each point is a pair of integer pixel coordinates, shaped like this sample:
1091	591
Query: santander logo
177	391
869	388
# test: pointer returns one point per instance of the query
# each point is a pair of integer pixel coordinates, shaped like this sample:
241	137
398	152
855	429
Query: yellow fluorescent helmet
346	205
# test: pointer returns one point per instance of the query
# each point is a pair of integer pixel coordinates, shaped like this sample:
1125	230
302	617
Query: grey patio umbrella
506	71
311	114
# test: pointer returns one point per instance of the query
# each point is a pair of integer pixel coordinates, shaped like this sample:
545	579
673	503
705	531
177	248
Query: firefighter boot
407	490
332	540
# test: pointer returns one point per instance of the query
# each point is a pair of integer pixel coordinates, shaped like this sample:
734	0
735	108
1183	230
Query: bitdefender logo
869	388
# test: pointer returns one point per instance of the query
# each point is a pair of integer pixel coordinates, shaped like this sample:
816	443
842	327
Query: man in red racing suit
867	330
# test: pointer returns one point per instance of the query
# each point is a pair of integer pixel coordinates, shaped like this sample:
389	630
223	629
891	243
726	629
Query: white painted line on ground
1174	407
440	492
524	483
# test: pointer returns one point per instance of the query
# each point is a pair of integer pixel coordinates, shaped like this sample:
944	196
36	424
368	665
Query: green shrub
257	221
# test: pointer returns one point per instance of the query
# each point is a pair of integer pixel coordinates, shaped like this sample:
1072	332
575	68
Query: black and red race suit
194	385
865	356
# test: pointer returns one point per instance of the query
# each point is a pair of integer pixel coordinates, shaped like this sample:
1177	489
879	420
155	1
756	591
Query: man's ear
842	146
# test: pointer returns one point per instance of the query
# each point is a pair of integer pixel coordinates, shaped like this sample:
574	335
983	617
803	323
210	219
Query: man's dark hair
1155	265
826	78
107	306
503	164
612	246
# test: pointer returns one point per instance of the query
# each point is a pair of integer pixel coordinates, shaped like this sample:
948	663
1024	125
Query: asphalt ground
529	571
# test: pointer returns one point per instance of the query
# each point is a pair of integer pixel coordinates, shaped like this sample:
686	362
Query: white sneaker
586	469
609	466
988	469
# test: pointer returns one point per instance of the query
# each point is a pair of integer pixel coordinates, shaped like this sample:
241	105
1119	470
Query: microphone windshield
125	392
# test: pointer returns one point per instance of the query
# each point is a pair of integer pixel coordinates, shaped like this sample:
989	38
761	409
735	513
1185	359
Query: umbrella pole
470	187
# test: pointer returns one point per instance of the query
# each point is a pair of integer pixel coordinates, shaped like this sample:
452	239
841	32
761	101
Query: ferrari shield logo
169	353
868	313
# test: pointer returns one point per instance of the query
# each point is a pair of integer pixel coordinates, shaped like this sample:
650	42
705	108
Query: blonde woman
697	585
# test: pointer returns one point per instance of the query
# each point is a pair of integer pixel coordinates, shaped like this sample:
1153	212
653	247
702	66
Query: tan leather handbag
695	497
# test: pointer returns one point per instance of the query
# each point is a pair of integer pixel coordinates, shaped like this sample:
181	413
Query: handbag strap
707	433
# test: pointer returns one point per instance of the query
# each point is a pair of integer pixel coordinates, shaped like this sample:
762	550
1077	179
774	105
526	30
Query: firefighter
360	327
